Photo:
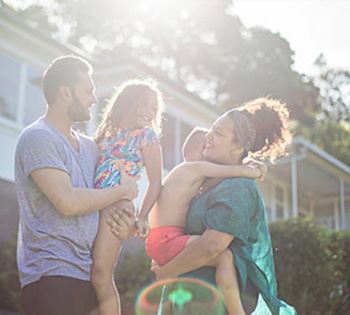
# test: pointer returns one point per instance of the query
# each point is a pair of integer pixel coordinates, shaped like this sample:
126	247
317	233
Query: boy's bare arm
208	169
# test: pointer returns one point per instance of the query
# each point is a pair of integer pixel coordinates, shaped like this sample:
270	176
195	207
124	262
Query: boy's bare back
179	187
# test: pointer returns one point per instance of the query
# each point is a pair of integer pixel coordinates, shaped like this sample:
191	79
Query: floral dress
122	151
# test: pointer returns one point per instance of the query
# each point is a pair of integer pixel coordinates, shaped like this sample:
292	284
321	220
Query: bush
310	266
9	283
132	275
340	247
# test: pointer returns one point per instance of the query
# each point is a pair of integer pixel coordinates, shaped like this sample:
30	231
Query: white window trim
273	184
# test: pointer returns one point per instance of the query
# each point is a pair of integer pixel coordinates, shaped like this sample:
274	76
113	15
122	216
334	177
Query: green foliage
340	247
9	284
202	45
331	136
132	275
312	267
334	91
311	263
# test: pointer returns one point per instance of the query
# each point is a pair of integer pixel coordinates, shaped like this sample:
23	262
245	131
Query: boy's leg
226	279
105	255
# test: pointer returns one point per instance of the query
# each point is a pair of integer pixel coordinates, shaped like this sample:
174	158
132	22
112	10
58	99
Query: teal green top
235	207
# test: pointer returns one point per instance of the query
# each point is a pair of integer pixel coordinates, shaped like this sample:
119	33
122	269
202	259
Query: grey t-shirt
50	244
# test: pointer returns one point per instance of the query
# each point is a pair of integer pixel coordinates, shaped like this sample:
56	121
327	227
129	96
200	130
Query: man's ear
65	93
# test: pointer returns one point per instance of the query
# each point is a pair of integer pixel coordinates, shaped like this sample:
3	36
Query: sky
310	26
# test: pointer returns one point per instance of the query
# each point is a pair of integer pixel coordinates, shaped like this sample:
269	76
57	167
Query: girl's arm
152	156
208	169
196	254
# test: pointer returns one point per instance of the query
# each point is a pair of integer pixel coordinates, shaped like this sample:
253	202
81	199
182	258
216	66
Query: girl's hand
129	184
142	228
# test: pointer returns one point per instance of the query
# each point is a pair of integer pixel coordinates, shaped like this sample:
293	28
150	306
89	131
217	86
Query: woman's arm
196	254
226	217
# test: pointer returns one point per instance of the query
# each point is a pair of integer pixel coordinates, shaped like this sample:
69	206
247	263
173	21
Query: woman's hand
121	219
130	185
158	271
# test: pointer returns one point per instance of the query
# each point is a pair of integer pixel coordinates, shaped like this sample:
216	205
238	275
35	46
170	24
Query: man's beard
76	111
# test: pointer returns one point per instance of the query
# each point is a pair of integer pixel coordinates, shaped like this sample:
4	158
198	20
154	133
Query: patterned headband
243	127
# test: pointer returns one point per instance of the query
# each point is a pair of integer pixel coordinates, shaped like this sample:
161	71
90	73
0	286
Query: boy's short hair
188	145
63	70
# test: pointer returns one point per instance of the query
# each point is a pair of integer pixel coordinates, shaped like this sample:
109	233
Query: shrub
9	283
340	247
132	275
306	268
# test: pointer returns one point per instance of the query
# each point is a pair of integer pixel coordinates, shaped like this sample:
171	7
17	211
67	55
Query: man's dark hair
63	70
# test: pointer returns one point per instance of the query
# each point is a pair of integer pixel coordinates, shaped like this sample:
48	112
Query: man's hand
129	184
121	219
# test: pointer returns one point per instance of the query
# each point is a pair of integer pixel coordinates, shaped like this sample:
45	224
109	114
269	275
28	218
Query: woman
230	213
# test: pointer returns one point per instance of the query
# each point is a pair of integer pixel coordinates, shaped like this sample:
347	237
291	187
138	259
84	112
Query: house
308	182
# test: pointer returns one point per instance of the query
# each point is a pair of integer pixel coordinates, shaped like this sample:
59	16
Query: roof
322	154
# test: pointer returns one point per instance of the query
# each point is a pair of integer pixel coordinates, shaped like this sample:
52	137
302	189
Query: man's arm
208	169
69	201
196	254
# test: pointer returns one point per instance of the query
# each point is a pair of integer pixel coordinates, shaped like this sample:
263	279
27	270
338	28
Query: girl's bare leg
226	279
105	255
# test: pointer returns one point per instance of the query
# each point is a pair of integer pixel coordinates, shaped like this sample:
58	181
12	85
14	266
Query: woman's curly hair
270	119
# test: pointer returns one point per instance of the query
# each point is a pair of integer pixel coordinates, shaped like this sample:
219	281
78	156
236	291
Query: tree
331	136
330	129
201	44
334	85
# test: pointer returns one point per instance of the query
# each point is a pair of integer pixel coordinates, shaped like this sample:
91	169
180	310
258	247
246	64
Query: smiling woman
230	213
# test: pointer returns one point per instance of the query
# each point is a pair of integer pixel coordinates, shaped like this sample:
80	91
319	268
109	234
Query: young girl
127	139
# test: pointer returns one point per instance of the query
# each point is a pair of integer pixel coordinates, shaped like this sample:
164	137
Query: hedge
312	268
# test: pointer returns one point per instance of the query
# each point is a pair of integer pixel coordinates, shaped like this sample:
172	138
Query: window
265	188
280	202
34	98
21	98
185	130
9	86
168	141
324	214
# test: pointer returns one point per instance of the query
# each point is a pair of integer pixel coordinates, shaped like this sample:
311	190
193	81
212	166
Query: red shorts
165	242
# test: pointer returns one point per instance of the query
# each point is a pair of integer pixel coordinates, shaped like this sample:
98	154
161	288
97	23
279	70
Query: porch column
342	205
294	184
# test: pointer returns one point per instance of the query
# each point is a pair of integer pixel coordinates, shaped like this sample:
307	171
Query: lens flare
183	296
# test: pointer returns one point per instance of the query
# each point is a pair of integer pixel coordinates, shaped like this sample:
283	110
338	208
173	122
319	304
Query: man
54	170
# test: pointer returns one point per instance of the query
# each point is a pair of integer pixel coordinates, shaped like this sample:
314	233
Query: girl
127	139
